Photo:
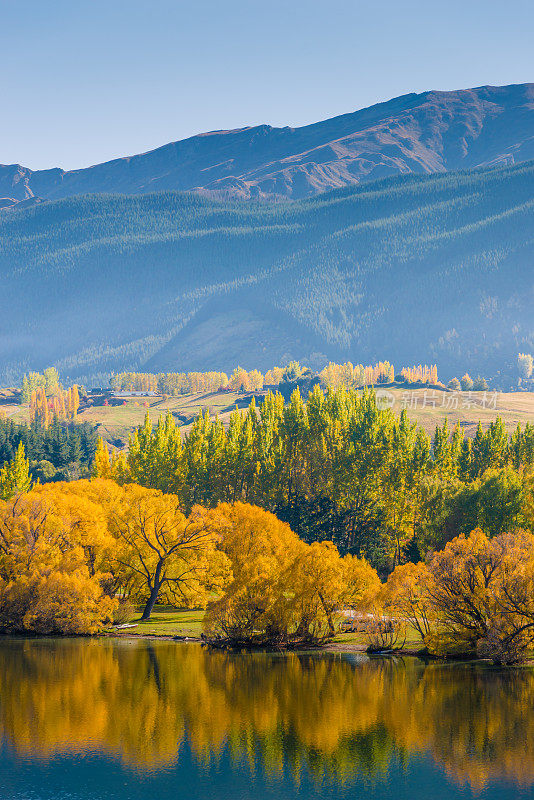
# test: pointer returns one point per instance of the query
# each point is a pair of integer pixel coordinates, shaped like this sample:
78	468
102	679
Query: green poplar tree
15	476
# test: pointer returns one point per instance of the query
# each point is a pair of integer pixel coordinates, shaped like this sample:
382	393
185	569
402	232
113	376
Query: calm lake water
84	720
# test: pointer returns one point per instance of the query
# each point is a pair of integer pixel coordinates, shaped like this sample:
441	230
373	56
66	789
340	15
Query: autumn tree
323	585
161	553
283	591
48	577
239	380
407	595
261	550
273	376
102	462
83	512
480	384
481	596
362	584
15	476
466	383
106	465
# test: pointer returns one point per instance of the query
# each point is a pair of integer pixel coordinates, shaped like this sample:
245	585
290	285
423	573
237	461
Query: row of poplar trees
338	467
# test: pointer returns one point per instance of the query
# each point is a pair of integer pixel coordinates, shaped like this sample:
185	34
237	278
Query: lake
98	719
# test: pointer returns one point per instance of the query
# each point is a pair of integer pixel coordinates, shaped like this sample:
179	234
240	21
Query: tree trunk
150	603
154	591
328	615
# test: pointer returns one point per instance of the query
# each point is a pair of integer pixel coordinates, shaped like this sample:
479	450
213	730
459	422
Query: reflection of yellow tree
67	699
138	702
474	721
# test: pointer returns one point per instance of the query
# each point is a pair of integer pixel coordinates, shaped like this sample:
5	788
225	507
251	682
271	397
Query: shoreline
333	647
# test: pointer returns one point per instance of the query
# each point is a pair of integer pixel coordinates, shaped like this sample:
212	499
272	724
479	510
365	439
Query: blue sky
84	81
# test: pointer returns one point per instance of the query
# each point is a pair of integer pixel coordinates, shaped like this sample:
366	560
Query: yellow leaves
161	553
282	589
474	596
15	475
318	580
52	543
241	380
101	464
52	402
112	467
77	510
67	603
138	543
249	531
406	595
362	583
407	580
31	537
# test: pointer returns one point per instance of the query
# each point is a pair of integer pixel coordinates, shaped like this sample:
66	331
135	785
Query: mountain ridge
430	132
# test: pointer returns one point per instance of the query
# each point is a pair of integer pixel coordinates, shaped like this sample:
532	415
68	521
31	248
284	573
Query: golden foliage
160	553
476	596
282	590
62	404
420	374
51	548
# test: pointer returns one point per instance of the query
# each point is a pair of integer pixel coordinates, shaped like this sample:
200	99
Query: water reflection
142	703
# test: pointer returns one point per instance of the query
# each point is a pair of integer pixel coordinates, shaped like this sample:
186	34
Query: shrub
124	612
466	383
58	603
480	384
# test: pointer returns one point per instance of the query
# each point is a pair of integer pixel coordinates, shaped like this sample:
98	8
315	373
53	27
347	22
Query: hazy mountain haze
414	268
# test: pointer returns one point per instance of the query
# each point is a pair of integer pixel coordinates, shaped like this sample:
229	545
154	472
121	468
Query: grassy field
116	423
167	621
429	408
426	407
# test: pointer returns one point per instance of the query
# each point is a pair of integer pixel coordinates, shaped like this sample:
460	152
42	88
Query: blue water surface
95	720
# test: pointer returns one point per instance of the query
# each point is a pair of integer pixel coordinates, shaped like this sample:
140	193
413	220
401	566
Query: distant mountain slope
416	133
416	268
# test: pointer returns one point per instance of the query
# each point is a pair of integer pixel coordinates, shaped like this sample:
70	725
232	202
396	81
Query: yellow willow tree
317	582
260	549
283	591
362	584
406	594
481	592
48	579
161	554
476	596
81	508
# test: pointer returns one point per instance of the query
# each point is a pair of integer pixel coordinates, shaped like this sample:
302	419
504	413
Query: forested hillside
434	269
